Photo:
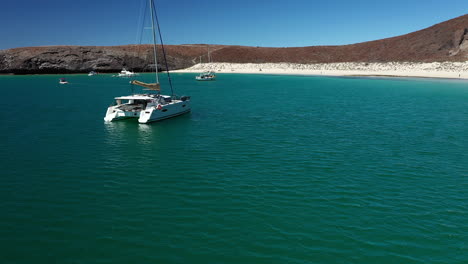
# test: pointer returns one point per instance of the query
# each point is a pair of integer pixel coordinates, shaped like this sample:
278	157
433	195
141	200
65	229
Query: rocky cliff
447	41
63	59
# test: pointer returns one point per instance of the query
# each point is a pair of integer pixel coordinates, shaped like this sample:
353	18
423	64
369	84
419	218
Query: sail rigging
162	47
153	14
155	26
150	107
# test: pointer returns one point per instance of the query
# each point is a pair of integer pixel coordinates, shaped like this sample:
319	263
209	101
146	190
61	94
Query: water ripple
351	171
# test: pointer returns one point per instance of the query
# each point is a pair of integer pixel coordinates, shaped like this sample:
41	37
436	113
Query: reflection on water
129	130
148	134
116	131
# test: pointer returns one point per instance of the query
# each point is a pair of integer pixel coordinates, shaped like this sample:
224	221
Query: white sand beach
456	70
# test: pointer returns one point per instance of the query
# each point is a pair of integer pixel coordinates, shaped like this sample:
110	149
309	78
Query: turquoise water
266	169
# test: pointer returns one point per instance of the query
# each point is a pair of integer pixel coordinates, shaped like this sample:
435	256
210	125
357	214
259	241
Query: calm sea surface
266	169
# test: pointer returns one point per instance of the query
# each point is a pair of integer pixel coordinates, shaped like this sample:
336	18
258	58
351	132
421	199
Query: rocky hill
63	59
447	41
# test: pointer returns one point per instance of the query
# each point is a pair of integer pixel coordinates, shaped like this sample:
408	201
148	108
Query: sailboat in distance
151	106
209	75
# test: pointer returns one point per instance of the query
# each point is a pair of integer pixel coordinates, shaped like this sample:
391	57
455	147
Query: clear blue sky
266	23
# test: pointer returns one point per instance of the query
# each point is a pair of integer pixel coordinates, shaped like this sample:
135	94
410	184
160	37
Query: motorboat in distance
206	76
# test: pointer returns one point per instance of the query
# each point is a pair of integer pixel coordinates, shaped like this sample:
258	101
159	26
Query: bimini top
141	97
135	97
150	86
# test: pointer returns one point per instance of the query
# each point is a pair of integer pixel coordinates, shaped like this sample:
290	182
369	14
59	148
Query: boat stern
113	114
160	112
145	116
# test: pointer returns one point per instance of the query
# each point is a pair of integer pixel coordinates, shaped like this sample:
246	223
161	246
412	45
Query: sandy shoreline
453	70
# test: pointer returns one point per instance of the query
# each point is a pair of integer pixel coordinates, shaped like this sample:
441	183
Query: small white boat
92	73
206	76
125	73
63	81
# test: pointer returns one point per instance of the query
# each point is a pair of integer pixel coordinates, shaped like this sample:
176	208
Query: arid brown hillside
447	41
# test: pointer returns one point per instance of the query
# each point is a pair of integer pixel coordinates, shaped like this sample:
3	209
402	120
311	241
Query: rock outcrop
447	41
62	59
460	42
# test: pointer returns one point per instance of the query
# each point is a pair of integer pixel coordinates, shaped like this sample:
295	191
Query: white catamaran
151	106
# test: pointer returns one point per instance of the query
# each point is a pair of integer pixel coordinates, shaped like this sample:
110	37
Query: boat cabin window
138	102
131	101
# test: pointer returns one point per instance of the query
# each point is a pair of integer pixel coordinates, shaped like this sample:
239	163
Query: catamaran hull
150	114
157	117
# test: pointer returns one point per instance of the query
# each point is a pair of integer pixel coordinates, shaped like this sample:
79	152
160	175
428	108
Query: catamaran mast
154	40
